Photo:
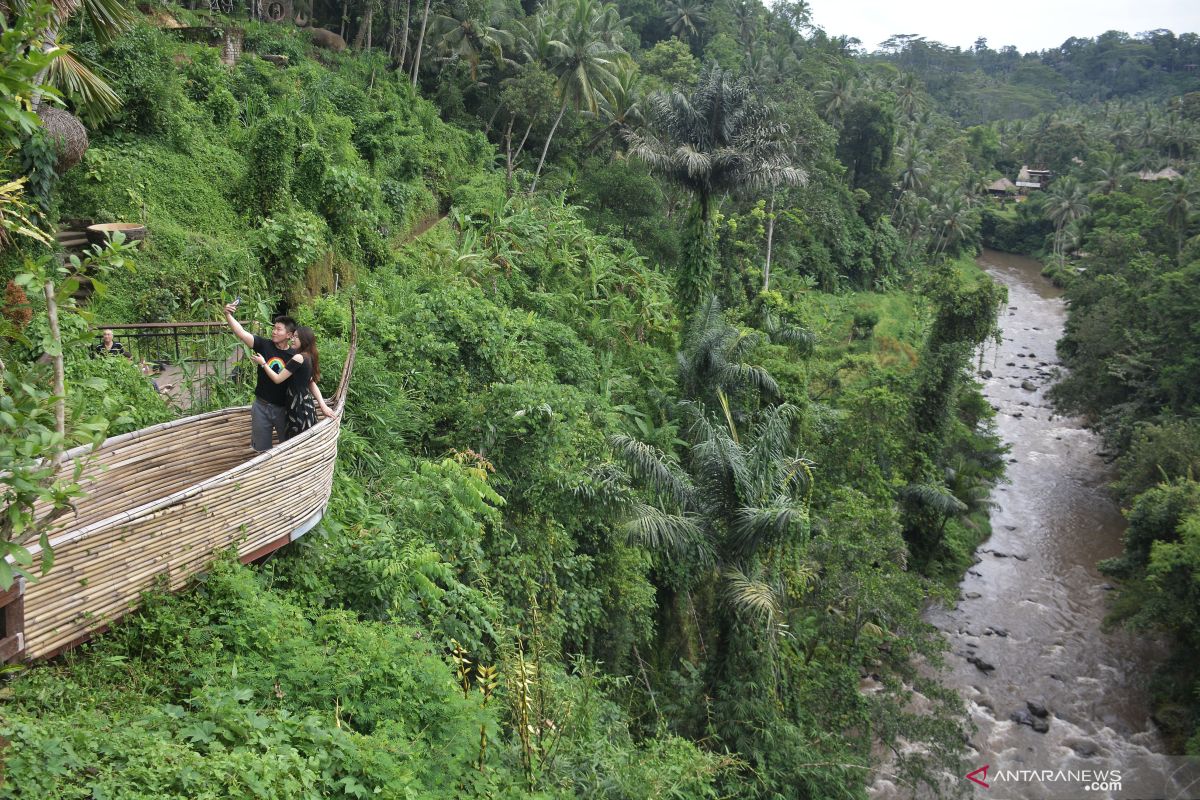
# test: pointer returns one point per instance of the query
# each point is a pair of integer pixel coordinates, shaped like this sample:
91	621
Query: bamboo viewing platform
161	502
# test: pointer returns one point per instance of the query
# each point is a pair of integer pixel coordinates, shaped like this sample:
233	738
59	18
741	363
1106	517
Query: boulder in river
1037	709
1023	717
980	664
1028	386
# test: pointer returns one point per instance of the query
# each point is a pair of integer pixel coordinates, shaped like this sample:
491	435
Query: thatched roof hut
1002	186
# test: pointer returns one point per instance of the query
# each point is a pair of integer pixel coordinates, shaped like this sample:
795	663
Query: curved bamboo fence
161	502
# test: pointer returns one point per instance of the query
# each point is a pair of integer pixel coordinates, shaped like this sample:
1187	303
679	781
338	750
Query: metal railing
189	362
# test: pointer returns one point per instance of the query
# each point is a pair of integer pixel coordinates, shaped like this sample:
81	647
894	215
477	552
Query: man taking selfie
269	412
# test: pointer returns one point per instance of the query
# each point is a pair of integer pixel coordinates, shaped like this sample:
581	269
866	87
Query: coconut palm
620	105
834	98
910	99
420	48
465	38
720	138
685	18
1066	202
584	54
1108	172
1177	203
954	224
914	170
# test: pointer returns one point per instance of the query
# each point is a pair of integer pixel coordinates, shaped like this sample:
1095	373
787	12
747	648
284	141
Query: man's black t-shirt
265	388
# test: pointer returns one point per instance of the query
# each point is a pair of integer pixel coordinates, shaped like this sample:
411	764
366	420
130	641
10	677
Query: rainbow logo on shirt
275	364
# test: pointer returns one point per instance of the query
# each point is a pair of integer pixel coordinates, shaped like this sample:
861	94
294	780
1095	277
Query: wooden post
60	402
12	620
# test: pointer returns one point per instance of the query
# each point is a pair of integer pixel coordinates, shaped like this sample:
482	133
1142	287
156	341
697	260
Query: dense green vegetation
983	84
658	442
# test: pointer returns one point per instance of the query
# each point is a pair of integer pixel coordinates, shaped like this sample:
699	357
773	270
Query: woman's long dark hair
308	349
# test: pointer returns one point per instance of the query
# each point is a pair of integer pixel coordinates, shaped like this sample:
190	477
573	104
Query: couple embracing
286	395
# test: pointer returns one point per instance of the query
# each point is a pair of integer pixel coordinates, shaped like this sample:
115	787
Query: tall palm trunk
546	147
404	36
770	239
416	70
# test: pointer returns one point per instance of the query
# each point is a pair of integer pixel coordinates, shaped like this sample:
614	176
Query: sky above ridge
1027	24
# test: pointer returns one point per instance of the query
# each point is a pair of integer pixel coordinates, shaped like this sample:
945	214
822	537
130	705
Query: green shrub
288	243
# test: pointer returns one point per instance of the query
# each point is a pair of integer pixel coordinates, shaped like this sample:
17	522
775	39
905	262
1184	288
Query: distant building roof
1167	174
1001	185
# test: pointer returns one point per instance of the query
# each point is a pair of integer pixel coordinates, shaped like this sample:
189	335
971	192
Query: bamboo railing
160	503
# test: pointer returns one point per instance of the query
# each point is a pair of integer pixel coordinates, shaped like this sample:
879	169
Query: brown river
1027	627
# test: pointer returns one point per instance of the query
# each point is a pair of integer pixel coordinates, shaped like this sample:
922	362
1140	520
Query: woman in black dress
301	374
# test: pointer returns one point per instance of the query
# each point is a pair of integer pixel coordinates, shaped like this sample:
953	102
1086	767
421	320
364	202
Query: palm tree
685	18
1109	173
736	501
954	223
712	363
416	67
745	14
1065	203
584	53
109	19
721	138
834	97
914	169
909	98
468	39
1178	204
620	104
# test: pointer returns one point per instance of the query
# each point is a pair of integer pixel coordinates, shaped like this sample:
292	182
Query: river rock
1010	363
1084	747
1028	386
996	629
972	595
1033	355
1023	717
1037	709
999	554
987	373
980	664
1017	415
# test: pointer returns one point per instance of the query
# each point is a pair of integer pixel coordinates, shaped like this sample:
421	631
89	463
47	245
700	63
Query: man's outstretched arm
238	331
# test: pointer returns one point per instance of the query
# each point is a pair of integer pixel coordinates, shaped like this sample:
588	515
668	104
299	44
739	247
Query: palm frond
672	534
109	18
94	98
754	598
757	528
935	498
652	467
